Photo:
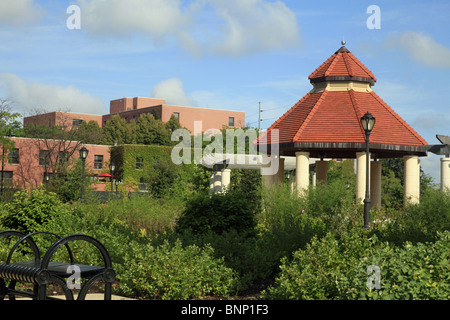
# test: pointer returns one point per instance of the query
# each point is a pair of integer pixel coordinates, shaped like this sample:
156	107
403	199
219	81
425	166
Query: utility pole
259	119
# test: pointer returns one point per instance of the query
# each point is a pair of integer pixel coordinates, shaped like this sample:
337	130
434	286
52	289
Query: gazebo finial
343	41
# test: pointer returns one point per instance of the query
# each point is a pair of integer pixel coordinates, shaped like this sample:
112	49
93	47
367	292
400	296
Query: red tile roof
334	117
342	64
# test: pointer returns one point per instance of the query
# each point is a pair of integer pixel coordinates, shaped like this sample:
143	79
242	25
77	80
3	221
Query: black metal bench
40	272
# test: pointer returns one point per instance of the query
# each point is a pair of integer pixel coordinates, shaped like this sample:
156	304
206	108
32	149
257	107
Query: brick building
132	108
26	165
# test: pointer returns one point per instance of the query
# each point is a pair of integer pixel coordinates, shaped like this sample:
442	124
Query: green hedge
336	268
162	176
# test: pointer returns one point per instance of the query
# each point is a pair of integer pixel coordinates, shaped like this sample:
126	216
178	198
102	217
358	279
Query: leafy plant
218	213
175	272
27	212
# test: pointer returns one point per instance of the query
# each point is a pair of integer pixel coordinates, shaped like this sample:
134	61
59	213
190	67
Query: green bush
27	212
337	268
175	272
322	269
418	271
218	213
420	222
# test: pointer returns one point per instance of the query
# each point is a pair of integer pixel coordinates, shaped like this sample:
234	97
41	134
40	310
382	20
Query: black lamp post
83	155
367	122
112	167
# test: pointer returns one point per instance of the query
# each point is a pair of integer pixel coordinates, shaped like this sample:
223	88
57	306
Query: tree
91	133
9	121
116	129
9	126
173	124
151	131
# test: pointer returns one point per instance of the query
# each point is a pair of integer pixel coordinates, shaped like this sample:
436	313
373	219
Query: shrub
412	272
420	222
322	269
337	268
175	272
218	213
27	212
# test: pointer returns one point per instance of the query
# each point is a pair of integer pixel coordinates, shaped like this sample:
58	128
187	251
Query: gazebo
326	124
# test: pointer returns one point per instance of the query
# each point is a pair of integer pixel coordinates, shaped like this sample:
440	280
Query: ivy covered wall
151	167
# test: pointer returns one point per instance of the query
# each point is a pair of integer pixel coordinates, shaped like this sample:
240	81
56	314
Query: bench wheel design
40	272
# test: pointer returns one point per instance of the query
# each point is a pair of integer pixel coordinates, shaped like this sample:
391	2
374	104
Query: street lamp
367	122
112	167
83	155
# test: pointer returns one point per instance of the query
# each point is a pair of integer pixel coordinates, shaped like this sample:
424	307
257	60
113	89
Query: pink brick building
132	108
26	165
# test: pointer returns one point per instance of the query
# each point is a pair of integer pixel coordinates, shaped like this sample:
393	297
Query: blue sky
226	54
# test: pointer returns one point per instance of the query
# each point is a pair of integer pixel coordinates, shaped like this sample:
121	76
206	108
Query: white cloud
19	12
421	48
255	25
222	27
158	18
30	96
173	92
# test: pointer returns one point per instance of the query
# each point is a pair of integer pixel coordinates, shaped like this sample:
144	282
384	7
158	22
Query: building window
98	162
177	115
143	184
76	123
7	177
63	157
139	163
44	157
14	156
231	121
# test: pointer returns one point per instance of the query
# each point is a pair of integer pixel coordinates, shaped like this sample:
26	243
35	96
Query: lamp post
83	155
367	122
112	167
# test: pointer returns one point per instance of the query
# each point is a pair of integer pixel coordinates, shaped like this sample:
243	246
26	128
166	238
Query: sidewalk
92	296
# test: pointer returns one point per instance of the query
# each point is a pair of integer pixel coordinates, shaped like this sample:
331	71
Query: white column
211	183
226	179
302	171
375	184
218	181
322	171
314	179
445	174
412	179
361	176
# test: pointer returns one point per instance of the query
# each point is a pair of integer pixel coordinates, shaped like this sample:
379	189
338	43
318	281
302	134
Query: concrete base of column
270	181
445	174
